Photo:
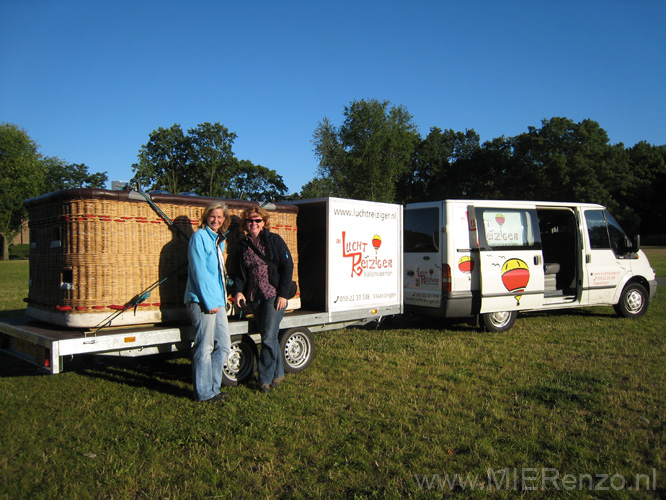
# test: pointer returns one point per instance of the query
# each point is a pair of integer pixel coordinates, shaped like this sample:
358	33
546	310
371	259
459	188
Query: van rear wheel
500	321
634	301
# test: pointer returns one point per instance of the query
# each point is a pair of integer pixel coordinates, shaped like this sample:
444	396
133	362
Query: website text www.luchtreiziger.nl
364	213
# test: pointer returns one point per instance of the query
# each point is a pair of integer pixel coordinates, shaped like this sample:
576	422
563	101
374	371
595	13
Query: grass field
573	401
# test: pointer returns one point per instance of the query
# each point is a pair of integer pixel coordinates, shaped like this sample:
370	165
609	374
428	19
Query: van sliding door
511	260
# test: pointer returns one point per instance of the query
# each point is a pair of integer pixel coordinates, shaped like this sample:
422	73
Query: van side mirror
636	244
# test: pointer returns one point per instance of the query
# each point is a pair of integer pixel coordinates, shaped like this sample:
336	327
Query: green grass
379	414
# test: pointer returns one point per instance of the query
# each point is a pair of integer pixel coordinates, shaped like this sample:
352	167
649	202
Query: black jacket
276	252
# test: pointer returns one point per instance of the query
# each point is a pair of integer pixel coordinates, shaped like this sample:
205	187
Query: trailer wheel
298	348
499	321
242	362
634	301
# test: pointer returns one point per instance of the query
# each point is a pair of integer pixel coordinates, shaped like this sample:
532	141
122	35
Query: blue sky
90	80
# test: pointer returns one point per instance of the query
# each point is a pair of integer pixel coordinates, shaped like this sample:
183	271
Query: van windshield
422	230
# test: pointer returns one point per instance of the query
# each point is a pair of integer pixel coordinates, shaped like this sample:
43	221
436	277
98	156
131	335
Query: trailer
350	274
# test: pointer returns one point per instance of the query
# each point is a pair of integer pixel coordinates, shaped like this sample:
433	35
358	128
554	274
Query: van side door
511	259
422	255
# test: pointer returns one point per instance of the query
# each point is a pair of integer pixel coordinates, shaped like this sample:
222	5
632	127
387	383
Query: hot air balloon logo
376	242
466	265
515	276
499	218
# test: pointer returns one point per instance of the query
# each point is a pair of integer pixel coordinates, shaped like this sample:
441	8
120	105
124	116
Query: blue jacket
277	252
205	283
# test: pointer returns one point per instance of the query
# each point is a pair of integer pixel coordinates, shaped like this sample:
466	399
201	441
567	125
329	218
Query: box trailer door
511	260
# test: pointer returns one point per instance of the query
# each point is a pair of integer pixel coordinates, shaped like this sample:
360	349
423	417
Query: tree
203	161
255	182
366	157
436	171
212	159
62	175
163	161
21	177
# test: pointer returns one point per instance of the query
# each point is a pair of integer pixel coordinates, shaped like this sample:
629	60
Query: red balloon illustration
376	242
466	264
499	218
515	276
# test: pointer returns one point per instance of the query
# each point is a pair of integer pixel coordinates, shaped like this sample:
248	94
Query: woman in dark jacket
263	282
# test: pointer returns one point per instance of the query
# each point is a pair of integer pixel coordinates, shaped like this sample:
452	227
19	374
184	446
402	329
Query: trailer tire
241	364
298	349
634	301
500	321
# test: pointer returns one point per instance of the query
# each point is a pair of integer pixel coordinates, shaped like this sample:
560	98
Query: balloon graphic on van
515	276
499	218
376	242
466	264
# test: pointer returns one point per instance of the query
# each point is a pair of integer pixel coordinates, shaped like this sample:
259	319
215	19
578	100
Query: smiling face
254	223
215	219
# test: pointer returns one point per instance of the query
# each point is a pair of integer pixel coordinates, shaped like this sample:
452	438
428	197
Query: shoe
265	388
276	383
217	397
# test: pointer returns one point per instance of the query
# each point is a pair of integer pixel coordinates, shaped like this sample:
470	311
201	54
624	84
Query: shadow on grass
163	373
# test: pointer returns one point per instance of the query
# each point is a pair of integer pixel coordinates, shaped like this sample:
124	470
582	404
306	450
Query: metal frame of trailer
47	345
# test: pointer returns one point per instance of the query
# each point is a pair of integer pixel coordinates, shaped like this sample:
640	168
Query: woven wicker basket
92	251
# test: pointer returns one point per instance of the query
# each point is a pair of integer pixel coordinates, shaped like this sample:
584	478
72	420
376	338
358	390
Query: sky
90	80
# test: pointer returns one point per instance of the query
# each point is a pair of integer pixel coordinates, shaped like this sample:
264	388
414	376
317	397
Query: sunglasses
255	221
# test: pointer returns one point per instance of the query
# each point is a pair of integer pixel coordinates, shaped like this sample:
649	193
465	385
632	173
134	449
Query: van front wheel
633	301
499	321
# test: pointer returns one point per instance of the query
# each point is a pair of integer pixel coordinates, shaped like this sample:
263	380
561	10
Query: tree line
376	154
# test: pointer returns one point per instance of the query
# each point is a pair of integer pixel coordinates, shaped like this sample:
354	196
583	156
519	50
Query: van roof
508	203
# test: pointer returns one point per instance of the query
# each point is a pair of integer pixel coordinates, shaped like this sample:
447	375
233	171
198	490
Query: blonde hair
260	212
215	205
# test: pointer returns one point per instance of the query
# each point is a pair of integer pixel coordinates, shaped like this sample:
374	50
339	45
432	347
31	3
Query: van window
509	228
596	229
422	230
605	232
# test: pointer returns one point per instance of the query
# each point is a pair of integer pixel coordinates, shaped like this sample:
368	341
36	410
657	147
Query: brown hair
214	205
260	212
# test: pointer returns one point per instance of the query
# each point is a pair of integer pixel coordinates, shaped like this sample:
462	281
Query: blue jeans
210	350
268	320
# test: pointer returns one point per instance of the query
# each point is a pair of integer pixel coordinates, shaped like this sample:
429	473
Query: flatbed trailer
47	346
350	274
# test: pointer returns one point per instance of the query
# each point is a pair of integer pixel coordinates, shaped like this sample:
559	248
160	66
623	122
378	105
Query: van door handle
588	258
426	258
537	260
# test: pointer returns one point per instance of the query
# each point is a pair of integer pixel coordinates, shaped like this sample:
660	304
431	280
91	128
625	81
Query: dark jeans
268	322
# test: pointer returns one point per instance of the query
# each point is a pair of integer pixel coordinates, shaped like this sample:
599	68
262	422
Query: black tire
242	362
634	301
501	321
298	349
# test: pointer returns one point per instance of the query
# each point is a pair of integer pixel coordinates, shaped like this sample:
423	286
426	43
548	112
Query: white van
491	259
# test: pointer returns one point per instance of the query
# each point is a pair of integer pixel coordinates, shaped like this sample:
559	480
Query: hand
239	300
214	311
280	303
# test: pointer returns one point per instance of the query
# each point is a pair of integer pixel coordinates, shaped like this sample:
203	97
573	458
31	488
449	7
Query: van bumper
653	288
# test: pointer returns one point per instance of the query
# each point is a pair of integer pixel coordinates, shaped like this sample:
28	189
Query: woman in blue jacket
205	300
264	282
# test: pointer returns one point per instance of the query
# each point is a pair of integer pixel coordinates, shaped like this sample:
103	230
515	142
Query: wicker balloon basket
93	252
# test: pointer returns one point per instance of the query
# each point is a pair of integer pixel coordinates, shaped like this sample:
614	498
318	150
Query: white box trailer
491	259
350	273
